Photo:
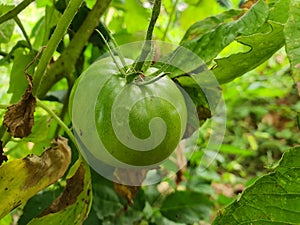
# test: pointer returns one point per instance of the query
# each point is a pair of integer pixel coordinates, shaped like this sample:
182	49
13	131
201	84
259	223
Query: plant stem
115	46
170	19
121	70
58	120
56	37
15	11
18	21
65	64
146	49
62	125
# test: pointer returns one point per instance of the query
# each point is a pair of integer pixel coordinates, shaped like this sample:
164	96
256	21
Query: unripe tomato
126	124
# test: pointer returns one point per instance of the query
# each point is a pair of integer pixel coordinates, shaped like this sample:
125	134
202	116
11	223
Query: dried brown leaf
180	161
129	182
53	163
73	189
19	117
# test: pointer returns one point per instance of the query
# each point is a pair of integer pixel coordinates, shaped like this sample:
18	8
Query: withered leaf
75	201
19	117
129	182
73	189
180	161
3	158
53	163
20	179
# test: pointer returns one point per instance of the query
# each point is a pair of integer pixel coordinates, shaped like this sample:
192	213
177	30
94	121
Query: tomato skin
126	124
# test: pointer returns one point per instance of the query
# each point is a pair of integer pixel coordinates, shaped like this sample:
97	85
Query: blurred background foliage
262	107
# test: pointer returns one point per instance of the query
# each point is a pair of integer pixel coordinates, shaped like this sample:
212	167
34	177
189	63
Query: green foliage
18	82
263	46
6	28
186	207
251	51
292	39
272	199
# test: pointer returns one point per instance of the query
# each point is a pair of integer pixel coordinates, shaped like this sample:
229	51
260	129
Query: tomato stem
154	79
120	68
115	47
18	21
64	66
147	47
58	120
55	39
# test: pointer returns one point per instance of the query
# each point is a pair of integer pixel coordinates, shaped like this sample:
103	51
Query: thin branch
146	49
65	64
18	21
58	120
120	68
15	11
55	39
170	19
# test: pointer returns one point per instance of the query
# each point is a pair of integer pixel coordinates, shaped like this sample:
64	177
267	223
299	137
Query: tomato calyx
139	78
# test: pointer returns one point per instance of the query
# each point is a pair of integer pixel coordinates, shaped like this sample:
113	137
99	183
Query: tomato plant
67	109
139	122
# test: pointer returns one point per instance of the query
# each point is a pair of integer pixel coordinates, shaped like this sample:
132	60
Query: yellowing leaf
73	205
20	179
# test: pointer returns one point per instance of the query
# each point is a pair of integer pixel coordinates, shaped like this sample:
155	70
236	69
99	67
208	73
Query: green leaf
136	16
40	129
6	31
208	46
6	28
272	199
18	82
74	204
263	46
199	28
186	207
292	40
106	202
279	11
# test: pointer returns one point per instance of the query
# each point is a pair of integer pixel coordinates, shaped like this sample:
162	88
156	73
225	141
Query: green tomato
126	124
